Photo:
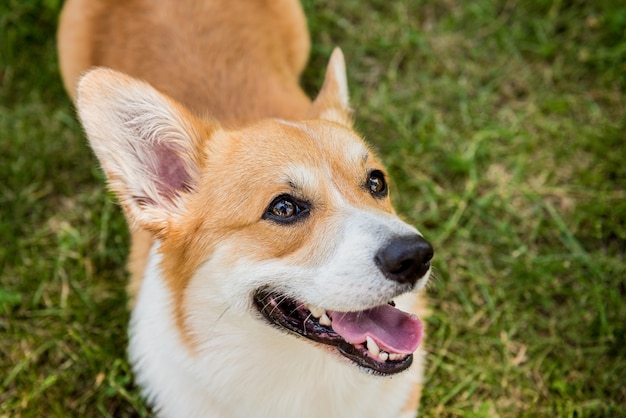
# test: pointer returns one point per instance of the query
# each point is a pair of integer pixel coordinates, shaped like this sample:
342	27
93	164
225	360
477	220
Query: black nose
405	259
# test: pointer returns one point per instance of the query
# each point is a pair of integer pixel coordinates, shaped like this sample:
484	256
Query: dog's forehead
292	148
333	141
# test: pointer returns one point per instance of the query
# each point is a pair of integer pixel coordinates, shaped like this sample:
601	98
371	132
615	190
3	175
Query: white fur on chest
248	369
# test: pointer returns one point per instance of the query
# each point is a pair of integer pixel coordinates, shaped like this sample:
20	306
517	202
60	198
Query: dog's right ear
148	145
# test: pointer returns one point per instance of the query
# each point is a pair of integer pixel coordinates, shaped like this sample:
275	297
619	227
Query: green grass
504	126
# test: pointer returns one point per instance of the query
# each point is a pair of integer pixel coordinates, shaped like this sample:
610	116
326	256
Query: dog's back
193	50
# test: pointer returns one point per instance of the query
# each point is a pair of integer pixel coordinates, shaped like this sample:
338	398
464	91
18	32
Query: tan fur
240	69
195	65
137	259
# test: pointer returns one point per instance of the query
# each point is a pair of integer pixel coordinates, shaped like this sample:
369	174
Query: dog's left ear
332	103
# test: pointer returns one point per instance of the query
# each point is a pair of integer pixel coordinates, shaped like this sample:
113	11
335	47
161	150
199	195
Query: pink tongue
393	330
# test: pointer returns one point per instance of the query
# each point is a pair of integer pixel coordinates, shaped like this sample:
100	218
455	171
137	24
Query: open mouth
380	339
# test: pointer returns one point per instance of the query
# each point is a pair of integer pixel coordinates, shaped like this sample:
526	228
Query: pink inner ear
171	175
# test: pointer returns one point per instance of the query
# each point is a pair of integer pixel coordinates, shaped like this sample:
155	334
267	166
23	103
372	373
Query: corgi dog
270	275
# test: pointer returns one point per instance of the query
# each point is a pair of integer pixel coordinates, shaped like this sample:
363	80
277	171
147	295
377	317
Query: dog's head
285	222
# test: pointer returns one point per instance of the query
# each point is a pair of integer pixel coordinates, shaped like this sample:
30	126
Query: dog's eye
376	183
286	209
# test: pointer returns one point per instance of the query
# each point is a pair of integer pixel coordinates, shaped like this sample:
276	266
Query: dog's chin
295	317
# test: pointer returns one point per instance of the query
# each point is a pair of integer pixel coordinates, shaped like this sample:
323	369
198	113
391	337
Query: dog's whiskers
304	322
278	302
219	317
300	306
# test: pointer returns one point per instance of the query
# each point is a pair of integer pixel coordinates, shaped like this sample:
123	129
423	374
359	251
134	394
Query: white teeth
372	347
383	355
325	320
393	356
316	312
